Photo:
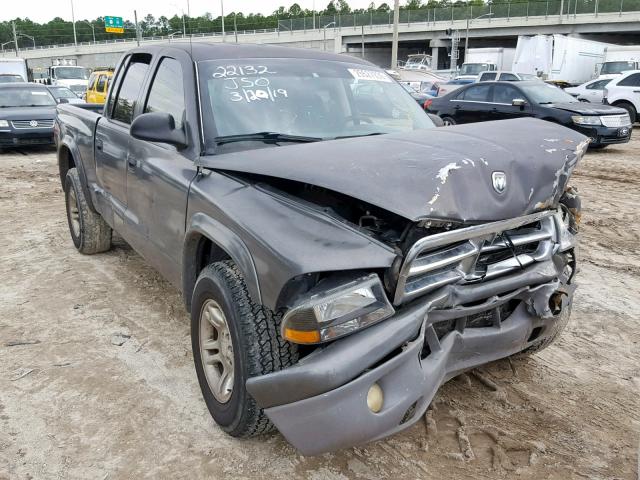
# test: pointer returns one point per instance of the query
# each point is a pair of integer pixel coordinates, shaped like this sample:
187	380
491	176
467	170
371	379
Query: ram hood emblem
499	180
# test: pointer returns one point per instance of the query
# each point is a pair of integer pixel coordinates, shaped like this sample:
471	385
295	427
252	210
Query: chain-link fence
489	12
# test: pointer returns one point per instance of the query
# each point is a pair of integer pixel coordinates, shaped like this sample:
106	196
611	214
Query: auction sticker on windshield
362	74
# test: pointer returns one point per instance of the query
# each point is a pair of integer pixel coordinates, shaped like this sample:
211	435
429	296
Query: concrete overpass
426	36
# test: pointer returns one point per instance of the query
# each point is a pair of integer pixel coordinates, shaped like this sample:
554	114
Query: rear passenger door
472	104
159	174
112	141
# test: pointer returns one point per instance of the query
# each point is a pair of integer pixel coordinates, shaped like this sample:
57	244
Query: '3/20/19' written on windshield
253	89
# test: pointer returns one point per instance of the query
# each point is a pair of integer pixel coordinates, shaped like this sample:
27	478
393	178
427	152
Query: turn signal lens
300	336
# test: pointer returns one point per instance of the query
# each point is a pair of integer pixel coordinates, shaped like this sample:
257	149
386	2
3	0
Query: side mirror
437	121
158	127
519	102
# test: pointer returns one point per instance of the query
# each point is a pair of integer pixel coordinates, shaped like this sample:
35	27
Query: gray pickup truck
340	257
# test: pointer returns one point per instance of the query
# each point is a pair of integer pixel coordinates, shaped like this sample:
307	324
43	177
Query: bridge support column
434	57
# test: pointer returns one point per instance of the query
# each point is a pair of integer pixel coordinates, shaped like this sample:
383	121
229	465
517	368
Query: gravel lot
97	381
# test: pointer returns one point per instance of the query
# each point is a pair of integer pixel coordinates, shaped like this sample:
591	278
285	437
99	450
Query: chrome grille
20	124
476	253
615	121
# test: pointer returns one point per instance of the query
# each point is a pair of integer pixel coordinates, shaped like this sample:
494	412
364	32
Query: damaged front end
463	297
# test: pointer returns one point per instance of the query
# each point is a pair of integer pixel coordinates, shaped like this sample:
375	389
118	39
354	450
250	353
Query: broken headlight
338	311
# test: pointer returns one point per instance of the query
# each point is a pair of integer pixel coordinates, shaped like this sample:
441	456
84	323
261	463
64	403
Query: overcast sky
45	10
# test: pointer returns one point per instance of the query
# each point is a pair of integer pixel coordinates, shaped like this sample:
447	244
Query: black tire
598	146
447	120
89	232
633	115
258	347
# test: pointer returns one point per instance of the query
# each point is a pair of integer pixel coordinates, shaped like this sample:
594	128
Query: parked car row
477	102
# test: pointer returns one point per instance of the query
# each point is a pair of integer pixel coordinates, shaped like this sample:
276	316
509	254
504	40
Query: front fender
200	225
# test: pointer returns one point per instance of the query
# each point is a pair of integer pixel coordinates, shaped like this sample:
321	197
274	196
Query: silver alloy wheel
216	351
74	212
447	122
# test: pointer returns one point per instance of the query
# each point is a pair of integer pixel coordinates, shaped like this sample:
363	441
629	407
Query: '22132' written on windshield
249	83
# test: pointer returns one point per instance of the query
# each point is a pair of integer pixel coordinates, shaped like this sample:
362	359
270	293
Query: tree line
59	31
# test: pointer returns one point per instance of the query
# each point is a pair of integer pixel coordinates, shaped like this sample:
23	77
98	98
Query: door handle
99	145
131	162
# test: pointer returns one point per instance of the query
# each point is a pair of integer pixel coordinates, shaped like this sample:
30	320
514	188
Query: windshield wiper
273	137
361	135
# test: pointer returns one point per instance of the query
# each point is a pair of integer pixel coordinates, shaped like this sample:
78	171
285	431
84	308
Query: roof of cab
202	51
22	85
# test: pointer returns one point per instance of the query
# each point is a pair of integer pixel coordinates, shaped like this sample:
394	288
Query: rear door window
630	81
486	77
130	87
477	93
92	81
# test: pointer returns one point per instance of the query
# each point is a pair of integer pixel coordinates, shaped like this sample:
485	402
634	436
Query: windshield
303	97
545	93
25	97
528	76
11	79
616	67
62	92
71	73
474	68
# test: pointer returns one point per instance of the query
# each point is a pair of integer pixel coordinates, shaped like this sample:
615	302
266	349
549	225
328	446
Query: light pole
29	37
171	35
184	25
324	35
5	43
394	41
73	20
466	37
93	29
222	17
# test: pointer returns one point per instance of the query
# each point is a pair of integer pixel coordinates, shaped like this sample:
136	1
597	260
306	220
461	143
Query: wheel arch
67	160
207	241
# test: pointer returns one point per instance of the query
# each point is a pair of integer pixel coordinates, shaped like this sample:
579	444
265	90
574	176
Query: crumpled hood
441	173
586	108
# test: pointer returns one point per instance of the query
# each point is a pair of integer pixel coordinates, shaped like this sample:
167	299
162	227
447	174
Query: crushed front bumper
320	404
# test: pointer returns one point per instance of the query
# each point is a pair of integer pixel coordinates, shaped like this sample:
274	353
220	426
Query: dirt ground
101	384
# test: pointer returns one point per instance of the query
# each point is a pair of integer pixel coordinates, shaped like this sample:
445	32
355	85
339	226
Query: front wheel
631	110
448	121
234	339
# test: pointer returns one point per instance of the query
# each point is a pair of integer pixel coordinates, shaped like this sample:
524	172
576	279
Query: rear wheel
234	339
89	232
448	121
633	115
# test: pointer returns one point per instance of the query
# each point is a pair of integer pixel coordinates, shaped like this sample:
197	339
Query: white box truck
14	66
618	59
478	60
559	57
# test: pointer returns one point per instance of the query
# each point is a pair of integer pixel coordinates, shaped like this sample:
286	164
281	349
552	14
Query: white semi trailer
558	57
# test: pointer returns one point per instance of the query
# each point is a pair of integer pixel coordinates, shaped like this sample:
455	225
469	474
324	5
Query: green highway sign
114	24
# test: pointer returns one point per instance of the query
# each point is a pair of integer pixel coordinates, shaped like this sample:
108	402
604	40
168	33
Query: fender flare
202	225
68	143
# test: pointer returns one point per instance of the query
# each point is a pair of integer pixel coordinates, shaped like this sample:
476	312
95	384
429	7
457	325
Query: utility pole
15	37
222	17
314	14
135	18
73	20
394	43
363	41
235	25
